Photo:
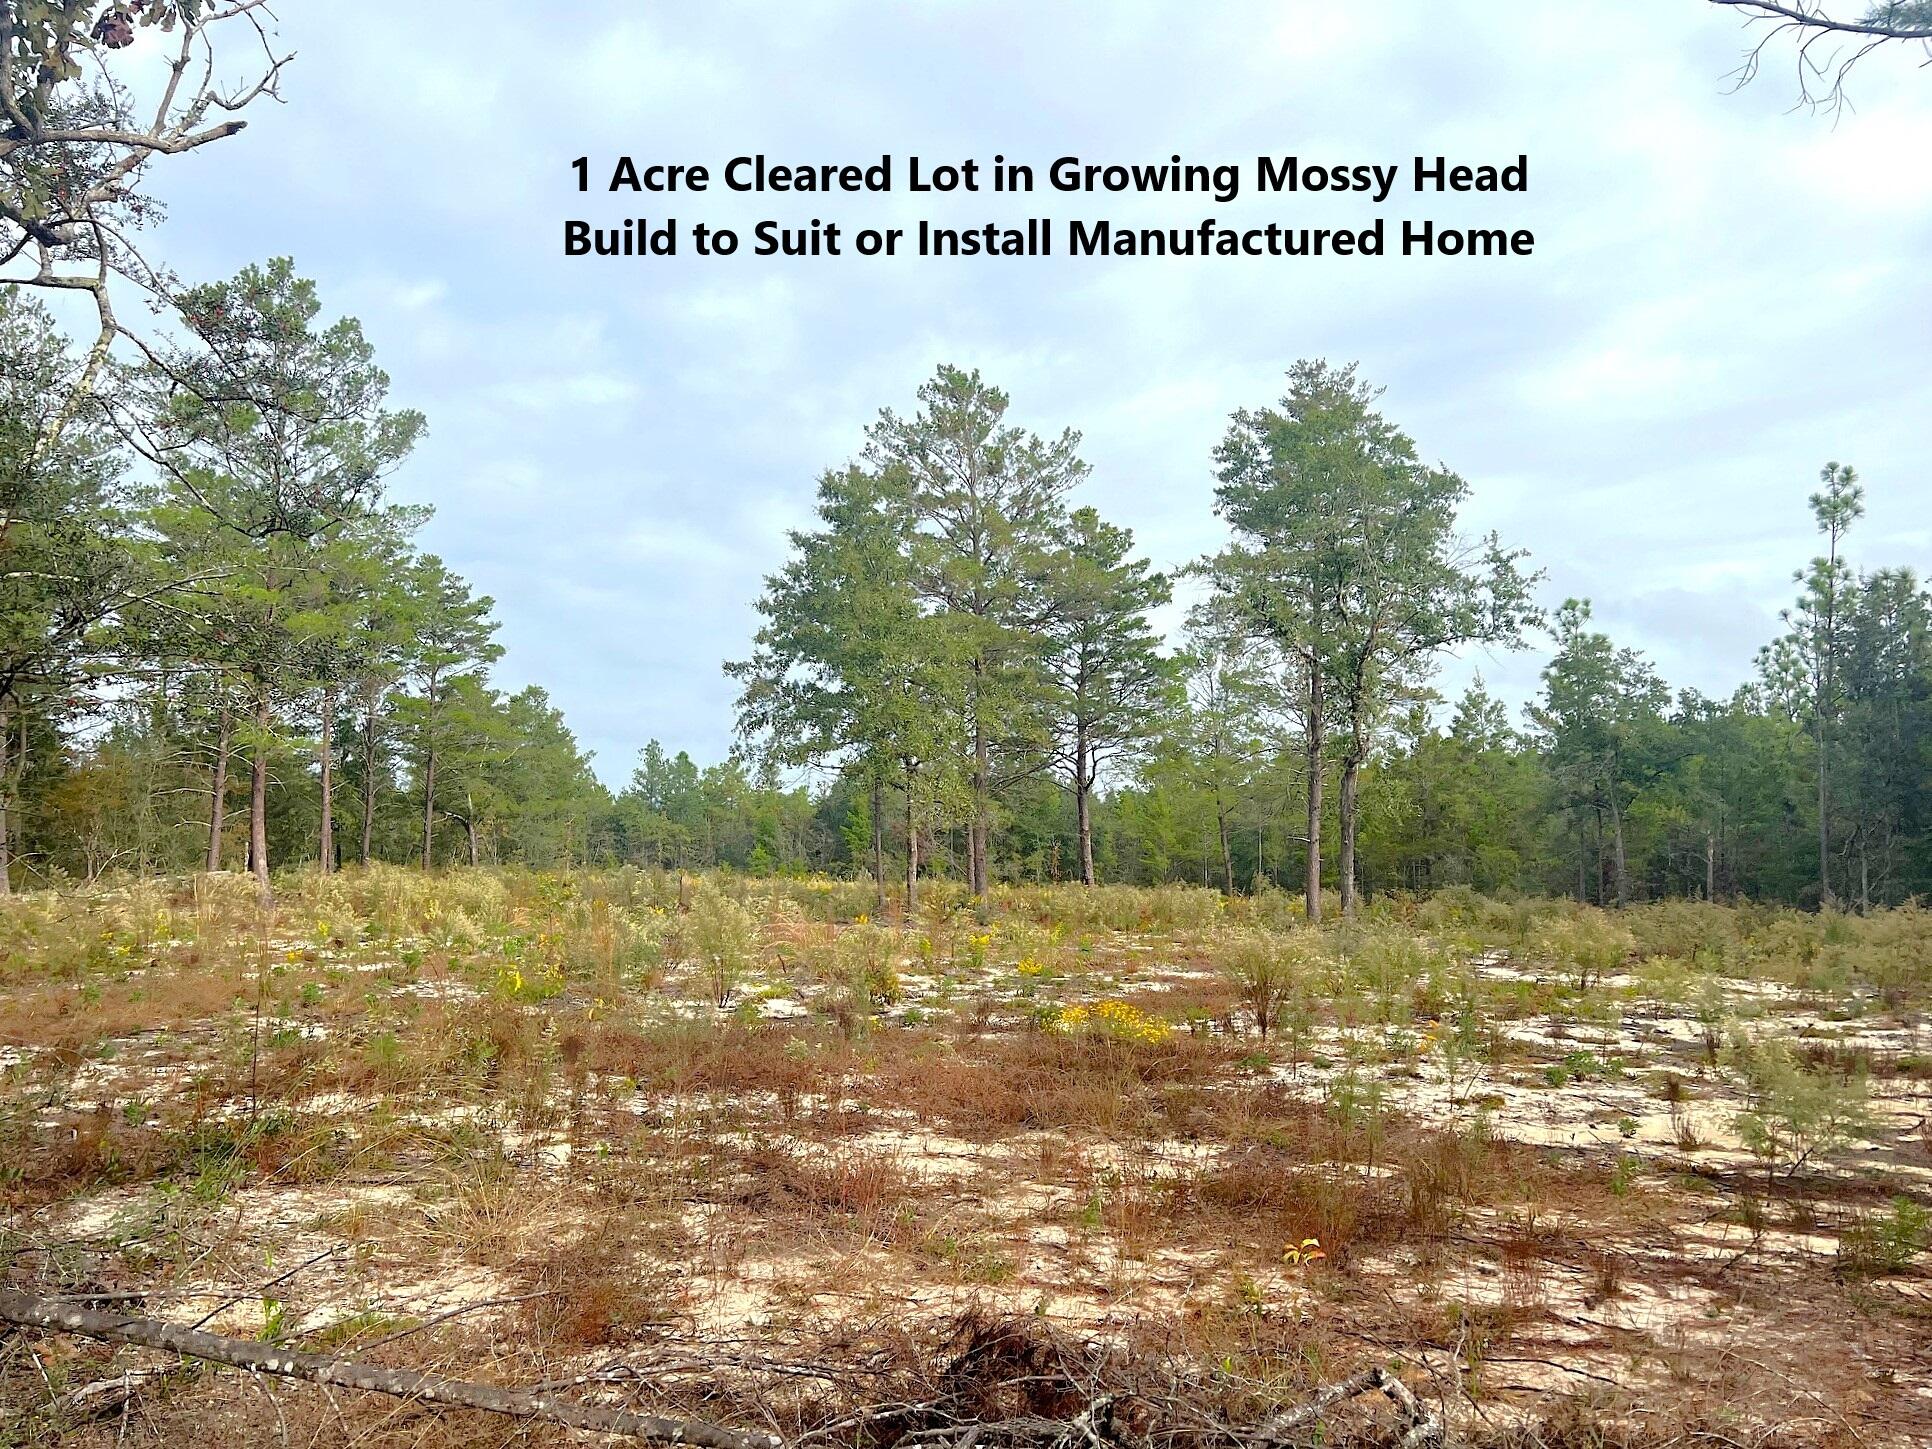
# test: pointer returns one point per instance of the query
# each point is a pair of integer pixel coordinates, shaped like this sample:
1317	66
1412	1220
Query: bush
1392	965
1079	908
1892	954
1699	932
861	967
1268	969
1118	1021
1280	910
1792	1113
1784	946
1460	913
1585	940
723	936
1887	1243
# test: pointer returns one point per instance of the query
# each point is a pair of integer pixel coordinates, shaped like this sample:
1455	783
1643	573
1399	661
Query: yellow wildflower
1309	1251
1120	1021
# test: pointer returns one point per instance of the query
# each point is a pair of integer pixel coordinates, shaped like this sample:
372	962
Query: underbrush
638	1105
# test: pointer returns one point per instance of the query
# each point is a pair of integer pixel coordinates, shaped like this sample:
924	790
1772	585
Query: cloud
1723	293
578	390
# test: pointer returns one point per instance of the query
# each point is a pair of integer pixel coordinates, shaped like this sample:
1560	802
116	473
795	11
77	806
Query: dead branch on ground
29	1310
1005	1388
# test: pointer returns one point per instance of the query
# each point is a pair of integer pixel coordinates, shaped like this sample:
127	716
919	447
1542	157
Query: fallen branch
1096	1426
1423	1427
32	1311
102	1397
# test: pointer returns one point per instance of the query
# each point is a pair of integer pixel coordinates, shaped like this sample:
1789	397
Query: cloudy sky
1725	292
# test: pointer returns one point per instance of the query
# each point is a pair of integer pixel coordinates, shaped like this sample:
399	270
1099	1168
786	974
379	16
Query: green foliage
847	665
1698	932
1109	685
1588	942
1793	1113
1601	716
724	938
1269	970
1346	561
271	424
1886	1242
1390	965
865	965
974	661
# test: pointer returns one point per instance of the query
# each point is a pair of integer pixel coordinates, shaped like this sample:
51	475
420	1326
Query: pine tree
272	438
1111	686
451	643
1805	667
63	556
848	667
985	501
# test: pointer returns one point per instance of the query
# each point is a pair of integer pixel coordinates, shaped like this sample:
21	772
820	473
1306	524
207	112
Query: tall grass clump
1271	972
723	937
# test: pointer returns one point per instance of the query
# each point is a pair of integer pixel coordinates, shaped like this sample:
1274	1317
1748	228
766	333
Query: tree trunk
326	749
1227	851
1315	742
1083	807
218	805
6	795
258	801
1824	825
1602	895
912	849
429	806
976	846
368	784
1619	863
878	846
982	769
1710	866
1345	871
469	830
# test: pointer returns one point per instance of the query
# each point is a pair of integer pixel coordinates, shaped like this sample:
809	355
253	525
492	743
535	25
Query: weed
1886	1242
724	934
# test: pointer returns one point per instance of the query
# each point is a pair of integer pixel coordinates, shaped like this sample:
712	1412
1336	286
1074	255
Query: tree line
956	637
221	647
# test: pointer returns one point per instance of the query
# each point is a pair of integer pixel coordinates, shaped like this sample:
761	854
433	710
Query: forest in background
221	647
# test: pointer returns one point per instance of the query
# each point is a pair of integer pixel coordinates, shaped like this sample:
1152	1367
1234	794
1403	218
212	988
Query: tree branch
32	1311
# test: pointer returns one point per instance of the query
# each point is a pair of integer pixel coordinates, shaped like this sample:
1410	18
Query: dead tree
74	142
1006	1385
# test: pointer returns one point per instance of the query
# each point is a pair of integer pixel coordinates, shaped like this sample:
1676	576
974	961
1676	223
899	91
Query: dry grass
498	1124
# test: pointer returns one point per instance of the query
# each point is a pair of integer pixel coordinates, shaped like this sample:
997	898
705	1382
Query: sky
1726	292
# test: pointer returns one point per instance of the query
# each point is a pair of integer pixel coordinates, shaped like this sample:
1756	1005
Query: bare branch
33	1311
1888	22
72	150
1811	24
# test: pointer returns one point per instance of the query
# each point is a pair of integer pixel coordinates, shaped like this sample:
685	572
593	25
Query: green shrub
1888	1242
1393	965
1700	932
724	937
1586	941
1269	971
1792	1113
